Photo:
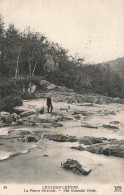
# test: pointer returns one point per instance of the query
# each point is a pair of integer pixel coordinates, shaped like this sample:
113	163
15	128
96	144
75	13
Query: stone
28	113
77	117
110	127
20	122
108	149
86	140
3	115
2	124
55	125
115	141
20	109
47	125
51	86
107	112
114	122
43	118
75	166
33	138
25	136
78	148
61	138
83	113
8	119
47	85
65	118
19	133
89	126
15	117
31	88
97	149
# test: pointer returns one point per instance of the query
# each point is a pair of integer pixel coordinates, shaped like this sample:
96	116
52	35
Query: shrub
27	96
9	102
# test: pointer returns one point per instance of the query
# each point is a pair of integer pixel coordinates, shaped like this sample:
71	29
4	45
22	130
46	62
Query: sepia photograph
61	97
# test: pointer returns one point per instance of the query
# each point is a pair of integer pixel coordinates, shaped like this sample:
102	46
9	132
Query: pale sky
92	28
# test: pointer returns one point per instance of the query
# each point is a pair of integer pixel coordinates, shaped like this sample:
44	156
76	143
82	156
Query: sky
94	29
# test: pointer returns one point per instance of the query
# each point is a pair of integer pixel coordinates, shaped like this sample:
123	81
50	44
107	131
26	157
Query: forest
28	56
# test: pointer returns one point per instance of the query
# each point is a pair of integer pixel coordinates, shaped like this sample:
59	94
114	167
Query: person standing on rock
49	103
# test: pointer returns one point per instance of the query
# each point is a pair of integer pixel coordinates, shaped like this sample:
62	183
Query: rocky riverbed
88	129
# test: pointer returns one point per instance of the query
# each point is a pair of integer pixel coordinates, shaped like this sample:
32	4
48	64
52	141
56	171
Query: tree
11	50
1	43
33	52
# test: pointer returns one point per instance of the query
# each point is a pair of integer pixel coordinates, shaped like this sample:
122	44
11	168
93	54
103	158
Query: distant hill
117	65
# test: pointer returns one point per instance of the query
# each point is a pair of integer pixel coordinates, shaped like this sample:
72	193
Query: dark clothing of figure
49	104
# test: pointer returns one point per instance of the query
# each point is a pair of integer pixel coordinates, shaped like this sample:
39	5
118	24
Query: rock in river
61	138
110	127
75	166
89	126
112	149
78	148
86	140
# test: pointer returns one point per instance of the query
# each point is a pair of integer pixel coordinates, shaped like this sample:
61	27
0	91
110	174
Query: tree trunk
29	68
34	68
17	64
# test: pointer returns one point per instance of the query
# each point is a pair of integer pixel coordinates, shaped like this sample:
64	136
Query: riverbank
29	156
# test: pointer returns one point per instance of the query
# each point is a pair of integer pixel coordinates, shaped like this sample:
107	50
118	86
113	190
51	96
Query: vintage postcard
61	97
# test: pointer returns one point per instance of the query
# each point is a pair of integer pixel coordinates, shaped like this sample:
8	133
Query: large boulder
20	109
108	149
75	166
114	122
106	112
8	119
19	133
3	115
28	113
25	136
43	118
15	116
33	138
51	86
110	127
61	138
86	140
48	85
32	88
50	65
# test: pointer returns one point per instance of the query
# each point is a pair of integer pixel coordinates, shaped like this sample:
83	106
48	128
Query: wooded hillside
28	54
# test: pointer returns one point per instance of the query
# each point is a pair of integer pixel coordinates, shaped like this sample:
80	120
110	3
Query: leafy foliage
9	102
29	57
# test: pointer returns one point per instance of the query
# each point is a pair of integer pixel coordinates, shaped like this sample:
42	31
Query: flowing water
41	162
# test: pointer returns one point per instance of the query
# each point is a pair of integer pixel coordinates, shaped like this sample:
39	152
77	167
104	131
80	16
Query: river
41	162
